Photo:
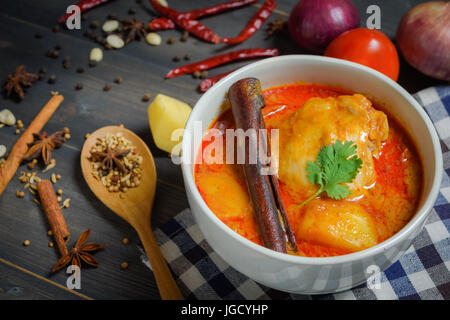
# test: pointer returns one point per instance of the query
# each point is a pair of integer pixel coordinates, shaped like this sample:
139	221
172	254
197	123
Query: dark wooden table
25	270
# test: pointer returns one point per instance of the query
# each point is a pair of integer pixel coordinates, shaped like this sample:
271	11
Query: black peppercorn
146	97
52	79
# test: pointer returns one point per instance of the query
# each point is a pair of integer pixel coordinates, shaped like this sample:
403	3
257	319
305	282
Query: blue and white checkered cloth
423	272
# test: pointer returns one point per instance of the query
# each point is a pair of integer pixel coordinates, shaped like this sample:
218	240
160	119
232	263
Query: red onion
313	24
423	38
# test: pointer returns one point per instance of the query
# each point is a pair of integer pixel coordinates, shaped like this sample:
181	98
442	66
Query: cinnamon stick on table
54	215
20	148
246	101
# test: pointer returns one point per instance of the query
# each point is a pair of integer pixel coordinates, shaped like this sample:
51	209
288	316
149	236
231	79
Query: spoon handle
168	289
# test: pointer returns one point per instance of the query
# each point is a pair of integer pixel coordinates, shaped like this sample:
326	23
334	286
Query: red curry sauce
391	202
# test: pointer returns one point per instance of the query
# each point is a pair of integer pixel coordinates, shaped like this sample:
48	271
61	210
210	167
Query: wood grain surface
24	270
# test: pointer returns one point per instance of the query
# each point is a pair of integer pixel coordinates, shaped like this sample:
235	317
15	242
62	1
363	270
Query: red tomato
368	47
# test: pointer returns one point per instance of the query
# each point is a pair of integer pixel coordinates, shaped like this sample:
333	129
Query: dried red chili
254	24
222	59
165	23
162	23
209	82
84	5
192	26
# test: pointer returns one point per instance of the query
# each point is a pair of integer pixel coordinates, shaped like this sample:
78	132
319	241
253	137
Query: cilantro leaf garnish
335	164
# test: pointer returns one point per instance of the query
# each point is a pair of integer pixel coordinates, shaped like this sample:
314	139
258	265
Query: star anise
18	80
276	26
134	28
43	144
80	252
111	158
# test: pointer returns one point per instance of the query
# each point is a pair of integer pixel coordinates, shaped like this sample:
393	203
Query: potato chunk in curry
340	224
321	122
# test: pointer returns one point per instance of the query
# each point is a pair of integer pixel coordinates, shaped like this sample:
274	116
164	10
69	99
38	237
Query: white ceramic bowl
304	274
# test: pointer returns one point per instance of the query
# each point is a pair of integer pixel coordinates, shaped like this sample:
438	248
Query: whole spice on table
192	26
184	36
52	79
94	24
254	24
18	80
165	23
50	166
222	59
276	26
146	97
32	164
20	194
246	101
54	54
116	163
171	40
66	63
81	252
54	215
43	145
20	148
134	29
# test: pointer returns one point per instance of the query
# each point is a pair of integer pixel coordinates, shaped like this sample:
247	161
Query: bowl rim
394	240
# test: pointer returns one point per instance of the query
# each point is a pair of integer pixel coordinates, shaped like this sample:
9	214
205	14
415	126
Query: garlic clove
110	26
96	54
153	39
7	117
2	151
115	41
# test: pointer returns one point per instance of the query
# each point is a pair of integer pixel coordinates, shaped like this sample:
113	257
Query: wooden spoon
136	205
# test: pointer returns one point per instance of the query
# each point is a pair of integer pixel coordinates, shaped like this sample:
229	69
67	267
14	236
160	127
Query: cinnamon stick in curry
54	215
20	148
246	102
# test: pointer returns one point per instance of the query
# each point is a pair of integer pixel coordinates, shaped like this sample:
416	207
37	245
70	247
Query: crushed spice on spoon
116	163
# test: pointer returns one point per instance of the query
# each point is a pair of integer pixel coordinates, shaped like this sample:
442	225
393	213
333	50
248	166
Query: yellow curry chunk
339	224
320	122
165	115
